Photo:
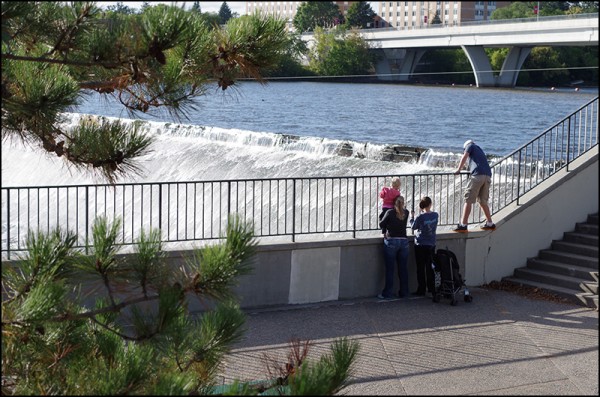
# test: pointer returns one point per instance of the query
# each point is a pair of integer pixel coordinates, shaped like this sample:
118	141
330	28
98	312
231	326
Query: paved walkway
499	344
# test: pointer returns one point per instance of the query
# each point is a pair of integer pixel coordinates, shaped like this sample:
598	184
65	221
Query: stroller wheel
468	298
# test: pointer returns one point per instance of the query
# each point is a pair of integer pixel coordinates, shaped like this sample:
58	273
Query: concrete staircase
569	268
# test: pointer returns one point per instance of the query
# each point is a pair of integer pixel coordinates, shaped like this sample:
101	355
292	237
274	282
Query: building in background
419	14
287	9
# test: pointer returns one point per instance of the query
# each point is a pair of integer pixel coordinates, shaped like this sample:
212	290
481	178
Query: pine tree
360	15
196	7
225	13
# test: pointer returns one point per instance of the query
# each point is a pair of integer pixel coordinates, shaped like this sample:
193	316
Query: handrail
280	207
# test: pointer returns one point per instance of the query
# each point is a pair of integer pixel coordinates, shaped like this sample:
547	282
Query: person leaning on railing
478	186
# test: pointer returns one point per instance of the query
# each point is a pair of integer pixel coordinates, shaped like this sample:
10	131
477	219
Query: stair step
575	296
562	268
575	248
565	257
591	287
588	228
592	218
590	300
581	238
594	275
574	283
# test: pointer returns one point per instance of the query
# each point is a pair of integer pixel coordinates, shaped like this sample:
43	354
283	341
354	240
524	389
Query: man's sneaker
380	296
488	226
460	228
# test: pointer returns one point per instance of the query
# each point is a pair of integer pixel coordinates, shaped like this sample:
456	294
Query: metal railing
346	205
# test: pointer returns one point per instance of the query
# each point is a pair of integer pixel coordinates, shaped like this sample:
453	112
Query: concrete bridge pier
397	64
512	66
484	75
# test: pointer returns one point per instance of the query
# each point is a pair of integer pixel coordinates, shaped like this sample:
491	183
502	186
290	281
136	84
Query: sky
205	6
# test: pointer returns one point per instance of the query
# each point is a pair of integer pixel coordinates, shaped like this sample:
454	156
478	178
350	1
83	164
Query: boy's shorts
478	189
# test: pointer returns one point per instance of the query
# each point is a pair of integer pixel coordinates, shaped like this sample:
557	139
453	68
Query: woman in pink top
389	194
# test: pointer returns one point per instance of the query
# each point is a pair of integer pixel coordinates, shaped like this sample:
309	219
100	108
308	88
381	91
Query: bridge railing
483	22
283	207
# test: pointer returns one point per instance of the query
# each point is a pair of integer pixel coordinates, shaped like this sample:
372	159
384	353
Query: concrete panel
361	273
315	275
269	283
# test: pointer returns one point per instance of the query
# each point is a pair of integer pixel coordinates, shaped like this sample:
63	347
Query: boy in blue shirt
425	225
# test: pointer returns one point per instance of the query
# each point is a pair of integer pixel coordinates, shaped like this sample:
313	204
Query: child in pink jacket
389	194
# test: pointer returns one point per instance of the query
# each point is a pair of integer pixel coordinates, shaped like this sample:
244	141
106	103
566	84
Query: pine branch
66	62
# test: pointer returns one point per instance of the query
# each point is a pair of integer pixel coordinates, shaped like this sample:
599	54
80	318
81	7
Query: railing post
8	223
413	193
293	210
568	142
519	178
160	208
228	199
87	218
354	220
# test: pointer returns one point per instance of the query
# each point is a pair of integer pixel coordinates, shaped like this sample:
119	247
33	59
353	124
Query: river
290	129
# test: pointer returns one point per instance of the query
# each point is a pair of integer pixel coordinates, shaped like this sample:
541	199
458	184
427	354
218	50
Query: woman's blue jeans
395	252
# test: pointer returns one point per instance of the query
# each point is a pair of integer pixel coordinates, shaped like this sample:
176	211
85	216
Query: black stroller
449	282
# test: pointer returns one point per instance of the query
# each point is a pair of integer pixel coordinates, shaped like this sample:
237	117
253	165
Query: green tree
338	52
525	9
544	58
196	7
120	8
290	64
360	15
517	9
436	19
162	58
211	19
312	14
225	13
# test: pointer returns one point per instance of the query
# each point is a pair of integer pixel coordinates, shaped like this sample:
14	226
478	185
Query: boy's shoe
488	226
460	228
380	296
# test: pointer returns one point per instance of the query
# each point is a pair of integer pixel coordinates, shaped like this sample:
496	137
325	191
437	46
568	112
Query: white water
184	152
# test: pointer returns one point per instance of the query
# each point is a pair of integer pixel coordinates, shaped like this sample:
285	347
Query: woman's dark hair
424	203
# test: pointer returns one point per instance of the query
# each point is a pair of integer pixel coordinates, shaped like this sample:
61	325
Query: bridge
402	49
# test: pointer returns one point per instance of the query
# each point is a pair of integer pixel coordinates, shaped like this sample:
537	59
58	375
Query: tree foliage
120	8
338	52
162	58
196	7
108	324
360	15
225	13
312	14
